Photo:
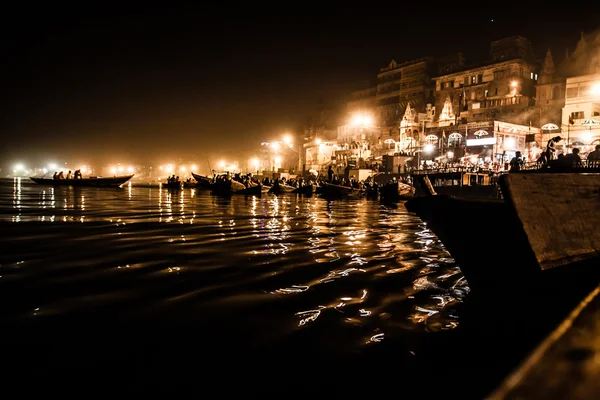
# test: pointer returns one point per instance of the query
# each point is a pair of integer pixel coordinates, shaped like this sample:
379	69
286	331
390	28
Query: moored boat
92	181
459	182
228	186
542	234
174	185
279	188
331	190
396	191
202	182
307	189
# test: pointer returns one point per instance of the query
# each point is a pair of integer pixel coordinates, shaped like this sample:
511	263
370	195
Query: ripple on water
276	266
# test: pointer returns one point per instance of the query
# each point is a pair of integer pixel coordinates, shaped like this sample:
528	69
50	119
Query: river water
145	288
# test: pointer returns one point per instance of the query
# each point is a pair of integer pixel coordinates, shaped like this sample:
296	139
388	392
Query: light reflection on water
352	268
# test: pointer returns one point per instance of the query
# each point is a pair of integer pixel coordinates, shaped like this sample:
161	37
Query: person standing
551	147
594	156
516	163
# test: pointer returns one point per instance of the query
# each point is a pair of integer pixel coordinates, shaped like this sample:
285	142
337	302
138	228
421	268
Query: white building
581	113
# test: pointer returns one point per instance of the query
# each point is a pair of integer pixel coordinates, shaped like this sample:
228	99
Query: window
479	78
498	74
486	93
578	115
572	92
496	92
536	77
454	139
431	139
532	75
555	93
473	80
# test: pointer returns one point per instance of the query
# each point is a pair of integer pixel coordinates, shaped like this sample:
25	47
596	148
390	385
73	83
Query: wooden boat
396	191
459	181
331	190
172	185
231	186
306	189
190	185
279	188
93	181
543	233
252	190
203	182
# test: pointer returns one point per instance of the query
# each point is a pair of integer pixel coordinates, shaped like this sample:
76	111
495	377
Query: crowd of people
552	158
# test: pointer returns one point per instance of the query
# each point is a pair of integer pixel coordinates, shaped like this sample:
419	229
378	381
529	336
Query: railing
583	165
448	170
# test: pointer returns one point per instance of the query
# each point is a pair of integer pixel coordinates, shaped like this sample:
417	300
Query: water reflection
352	268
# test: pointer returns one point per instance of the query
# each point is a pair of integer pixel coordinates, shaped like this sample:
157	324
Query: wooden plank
560	214
566	365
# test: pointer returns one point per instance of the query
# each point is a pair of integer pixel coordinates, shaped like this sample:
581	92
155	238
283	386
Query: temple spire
548	69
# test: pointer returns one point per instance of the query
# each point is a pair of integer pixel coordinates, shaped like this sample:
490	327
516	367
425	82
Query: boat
459	181
279	188
202	182
542	234
396	191
227	187
265	188
172	185
306	189
190	184
92	181
331	190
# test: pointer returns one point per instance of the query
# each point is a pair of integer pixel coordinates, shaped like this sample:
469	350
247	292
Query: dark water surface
140	288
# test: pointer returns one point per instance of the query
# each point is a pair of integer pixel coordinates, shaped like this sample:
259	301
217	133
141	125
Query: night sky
149	84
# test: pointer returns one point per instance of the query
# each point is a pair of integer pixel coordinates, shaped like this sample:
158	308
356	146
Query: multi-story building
501	90
388	98
399	85
581	113
363	101
568	96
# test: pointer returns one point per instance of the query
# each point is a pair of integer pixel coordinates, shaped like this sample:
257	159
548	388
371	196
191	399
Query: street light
256	164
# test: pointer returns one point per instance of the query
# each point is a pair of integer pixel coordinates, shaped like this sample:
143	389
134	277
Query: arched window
431	139
454	139
390	143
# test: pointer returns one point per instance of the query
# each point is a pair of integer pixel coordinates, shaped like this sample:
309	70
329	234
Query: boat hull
231	187
202	182
500	251
172	185
114	181
306	189
280	189
330	190
396	191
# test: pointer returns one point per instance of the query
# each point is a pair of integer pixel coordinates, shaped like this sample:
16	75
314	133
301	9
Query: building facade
581	113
